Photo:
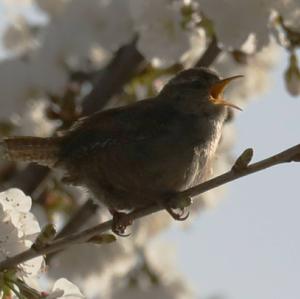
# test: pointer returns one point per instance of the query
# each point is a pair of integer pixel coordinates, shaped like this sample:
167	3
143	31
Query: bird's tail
43	151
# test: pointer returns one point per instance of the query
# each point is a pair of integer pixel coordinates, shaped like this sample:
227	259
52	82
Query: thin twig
29	179
210	54
117	73
289	155
78	219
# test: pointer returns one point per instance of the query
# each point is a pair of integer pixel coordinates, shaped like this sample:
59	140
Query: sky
248	245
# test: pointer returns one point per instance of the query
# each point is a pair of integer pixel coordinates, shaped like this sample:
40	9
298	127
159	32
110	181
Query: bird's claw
120	223
178	208
181	216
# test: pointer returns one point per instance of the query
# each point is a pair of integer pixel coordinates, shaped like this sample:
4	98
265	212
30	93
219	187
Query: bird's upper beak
216	92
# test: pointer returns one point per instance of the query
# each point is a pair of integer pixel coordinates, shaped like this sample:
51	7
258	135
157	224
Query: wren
134	156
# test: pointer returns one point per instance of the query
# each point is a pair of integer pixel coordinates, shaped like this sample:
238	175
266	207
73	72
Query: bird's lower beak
223	102
216	92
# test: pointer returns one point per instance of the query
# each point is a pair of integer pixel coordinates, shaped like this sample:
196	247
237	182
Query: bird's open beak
216	92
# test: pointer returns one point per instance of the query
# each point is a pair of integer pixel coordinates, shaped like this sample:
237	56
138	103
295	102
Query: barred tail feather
43	151
3	151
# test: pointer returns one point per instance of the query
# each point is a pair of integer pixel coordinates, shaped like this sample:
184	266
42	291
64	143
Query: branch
210	54
79	218
29	179
289	155
119	71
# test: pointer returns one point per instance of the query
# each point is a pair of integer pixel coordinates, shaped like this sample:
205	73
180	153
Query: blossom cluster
168	31
19	228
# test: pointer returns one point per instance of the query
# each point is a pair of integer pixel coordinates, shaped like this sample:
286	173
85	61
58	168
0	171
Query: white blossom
97	266
235	20
15	85
72	35
150	227
53	7
198	44
161	35
17	36
64	289
14	3
68	36
290	11
169	283
114	24
32	121
23	79
174	290
256	73
18	229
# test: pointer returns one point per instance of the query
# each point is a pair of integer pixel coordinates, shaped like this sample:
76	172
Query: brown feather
43	151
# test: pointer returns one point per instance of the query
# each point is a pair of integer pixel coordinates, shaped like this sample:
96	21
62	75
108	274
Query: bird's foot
182	215
120	222
178	205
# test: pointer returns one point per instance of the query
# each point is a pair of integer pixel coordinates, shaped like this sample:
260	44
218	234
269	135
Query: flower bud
292	76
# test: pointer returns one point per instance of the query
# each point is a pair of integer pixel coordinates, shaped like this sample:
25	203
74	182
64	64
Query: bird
141	154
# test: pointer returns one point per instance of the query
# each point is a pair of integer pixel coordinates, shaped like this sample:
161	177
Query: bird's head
199	87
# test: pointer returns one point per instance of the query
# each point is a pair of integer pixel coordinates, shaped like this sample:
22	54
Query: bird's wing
130	124
126	148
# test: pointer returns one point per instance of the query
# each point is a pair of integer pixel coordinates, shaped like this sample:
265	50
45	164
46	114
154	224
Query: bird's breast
140	170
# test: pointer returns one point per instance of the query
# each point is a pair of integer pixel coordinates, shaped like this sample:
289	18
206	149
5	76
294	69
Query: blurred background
62	59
